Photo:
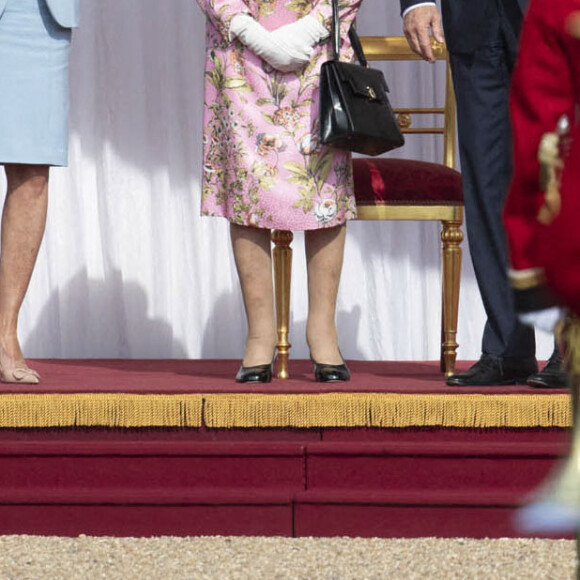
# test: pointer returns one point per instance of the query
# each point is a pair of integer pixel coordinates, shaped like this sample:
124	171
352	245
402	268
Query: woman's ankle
259	351
324	349
10	348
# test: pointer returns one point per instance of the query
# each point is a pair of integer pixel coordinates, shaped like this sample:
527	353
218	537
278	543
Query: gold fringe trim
346	410
386	410
100	410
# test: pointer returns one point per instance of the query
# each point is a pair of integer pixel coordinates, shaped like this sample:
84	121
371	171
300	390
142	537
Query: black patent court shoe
324	373
255	374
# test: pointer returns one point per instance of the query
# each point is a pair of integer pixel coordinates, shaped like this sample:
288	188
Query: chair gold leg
282	276
451	238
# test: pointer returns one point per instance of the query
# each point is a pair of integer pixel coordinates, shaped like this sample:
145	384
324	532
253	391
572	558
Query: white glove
276	52
303	34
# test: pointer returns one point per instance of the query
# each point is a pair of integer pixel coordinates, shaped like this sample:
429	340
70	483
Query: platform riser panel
393	521
406	489
299	520
152	472
146	521
427	472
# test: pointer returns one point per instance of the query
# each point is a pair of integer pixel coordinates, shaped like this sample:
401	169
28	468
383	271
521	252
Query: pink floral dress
262	163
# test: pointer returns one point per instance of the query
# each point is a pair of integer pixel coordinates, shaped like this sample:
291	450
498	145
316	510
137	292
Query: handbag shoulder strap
352	34
335	31
357	46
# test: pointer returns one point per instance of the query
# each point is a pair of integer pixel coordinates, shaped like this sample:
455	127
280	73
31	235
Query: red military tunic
546	85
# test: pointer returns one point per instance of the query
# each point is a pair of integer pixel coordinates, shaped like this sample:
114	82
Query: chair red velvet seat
405	182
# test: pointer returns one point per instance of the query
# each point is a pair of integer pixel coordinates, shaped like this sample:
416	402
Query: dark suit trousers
481	85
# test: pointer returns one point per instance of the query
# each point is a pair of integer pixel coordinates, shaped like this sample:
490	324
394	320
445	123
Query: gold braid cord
550	171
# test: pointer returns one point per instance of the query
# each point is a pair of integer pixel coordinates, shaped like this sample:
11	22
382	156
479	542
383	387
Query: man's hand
418	24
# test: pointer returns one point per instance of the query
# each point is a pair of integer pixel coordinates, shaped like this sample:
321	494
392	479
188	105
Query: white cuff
543	319
417	6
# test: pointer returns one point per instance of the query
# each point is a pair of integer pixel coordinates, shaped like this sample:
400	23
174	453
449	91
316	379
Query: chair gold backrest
396	48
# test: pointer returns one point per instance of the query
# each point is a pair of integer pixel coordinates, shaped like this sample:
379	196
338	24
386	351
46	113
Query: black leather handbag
355	113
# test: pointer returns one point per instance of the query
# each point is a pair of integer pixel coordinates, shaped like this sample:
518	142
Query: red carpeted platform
216	376
422	480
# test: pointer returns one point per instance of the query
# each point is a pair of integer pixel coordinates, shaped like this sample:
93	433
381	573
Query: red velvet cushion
405	182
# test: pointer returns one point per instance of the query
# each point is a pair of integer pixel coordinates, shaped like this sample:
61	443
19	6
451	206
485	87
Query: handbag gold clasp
371	93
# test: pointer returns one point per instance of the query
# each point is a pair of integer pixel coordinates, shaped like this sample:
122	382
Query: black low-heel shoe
255	374
324	373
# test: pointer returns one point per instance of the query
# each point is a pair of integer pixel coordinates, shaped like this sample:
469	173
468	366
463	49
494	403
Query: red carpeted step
408	482
402	488
451	466
289	466
390	513
530	436
145	465
469	513
122	512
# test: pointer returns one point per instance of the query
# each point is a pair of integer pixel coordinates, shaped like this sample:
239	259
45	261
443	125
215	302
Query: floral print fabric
262	163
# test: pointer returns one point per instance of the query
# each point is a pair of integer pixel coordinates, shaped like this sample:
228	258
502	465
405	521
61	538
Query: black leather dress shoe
495	370
255	374
324	373
552	376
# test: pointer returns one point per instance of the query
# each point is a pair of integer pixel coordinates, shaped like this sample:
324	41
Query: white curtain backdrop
128	269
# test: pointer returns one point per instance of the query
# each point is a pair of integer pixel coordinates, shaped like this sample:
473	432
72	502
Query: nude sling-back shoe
22	375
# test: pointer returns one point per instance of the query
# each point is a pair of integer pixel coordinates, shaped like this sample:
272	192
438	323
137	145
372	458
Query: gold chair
405	189
399	189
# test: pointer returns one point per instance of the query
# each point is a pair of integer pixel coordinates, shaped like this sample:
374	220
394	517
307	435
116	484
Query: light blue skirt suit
34	49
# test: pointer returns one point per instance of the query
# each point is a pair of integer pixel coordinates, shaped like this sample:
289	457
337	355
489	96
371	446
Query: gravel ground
249	558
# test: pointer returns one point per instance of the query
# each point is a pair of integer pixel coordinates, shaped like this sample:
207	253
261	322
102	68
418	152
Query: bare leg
324	255
252	252
23	223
